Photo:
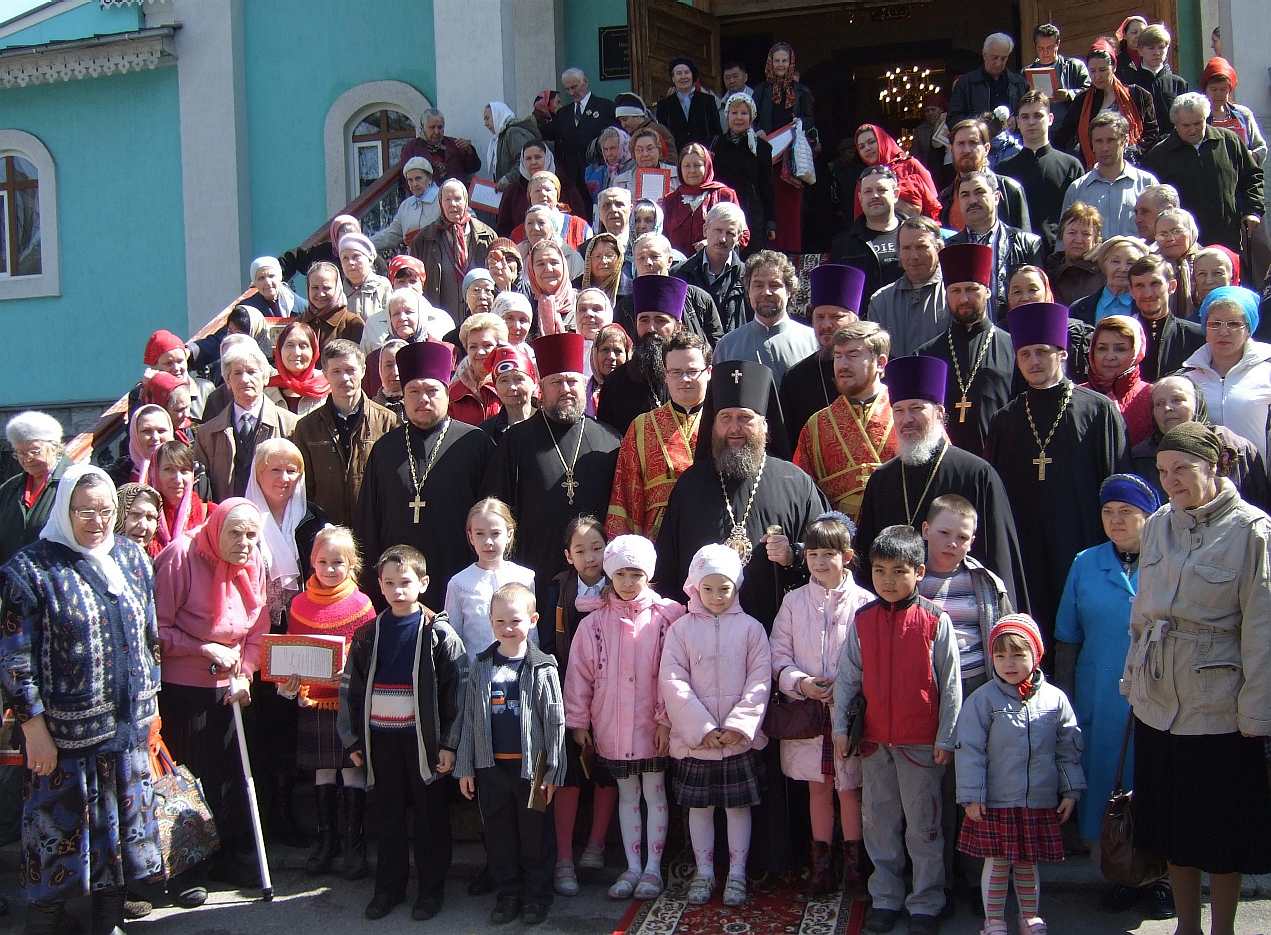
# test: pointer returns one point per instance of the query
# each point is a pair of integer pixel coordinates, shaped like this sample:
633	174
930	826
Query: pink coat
611	685
807	637
716	672
184	604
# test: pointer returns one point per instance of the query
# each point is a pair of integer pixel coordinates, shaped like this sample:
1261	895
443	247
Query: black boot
108	912
821	875
354	865
283	826
328	844
45	918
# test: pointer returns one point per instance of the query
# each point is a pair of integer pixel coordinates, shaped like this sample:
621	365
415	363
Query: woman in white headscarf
88	814
289	525
510	137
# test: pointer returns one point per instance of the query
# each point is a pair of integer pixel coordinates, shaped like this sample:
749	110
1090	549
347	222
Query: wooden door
1080	22
662	30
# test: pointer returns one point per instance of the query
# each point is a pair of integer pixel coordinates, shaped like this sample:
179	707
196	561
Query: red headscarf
1125	104
708	183
1233	257
307	384
556	306
784	93
406	261
248	579
1123	42
914	184
159	344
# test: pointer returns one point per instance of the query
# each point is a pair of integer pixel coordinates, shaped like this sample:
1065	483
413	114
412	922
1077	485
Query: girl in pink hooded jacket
807	637
612	703
716	674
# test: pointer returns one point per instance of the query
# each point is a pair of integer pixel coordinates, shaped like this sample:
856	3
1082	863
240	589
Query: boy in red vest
901	655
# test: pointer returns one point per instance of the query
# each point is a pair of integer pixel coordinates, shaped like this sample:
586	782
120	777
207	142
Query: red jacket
466	406
902	698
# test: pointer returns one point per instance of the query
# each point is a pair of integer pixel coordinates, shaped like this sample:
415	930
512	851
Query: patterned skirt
318	744
89	825
624	769
733	782
1029	834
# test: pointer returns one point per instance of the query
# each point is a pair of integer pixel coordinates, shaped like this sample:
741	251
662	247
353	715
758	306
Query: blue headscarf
1245	299
1131	489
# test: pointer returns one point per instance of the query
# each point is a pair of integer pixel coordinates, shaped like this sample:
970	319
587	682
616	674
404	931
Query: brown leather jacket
330	482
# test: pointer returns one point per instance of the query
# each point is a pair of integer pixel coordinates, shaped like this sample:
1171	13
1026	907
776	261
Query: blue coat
1094	614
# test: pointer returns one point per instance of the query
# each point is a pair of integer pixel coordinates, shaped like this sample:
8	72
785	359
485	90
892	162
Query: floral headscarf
784	92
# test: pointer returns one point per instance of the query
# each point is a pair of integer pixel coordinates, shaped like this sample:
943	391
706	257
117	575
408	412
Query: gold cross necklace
418	482
570	485
1041	460
964	404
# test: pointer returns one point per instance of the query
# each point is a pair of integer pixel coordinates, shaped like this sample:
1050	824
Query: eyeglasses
86	514
1224	326
684	374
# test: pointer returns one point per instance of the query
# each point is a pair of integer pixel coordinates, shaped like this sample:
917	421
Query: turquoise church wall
297	64
583	19
80	23
117	154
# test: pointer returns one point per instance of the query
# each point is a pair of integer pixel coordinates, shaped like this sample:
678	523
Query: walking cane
266	885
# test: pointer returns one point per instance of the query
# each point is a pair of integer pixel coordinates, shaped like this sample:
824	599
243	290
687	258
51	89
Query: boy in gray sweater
513	747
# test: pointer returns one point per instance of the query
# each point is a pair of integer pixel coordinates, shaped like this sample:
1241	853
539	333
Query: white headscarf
500	116
58	528
282	553
549	160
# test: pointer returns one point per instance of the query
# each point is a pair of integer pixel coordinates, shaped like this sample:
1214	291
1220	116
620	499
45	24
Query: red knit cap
1021	625
159	344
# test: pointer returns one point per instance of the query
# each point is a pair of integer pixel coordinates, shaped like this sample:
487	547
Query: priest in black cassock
554	466
423	477
981	361
1054	445
733	494
928	466
808	387
639	385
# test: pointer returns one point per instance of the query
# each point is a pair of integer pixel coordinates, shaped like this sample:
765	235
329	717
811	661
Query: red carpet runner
774	910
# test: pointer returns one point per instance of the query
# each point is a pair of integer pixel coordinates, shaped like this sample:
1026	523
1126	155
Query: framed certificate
1045	80
483	195
318	660
653	184
780	140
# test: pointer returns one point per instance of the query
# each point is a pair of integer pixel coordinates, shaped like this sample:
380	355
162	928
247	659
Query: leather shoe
506	909
425	908
381	904
881	920
1160	900
921	924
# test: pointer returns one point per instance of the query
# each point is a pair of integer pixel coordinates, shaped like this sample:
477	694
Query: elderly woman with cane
88	816
211	598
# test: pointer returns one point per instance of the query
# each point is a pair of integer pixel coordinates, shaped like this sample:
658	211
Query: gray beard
923	450
564	412
737	464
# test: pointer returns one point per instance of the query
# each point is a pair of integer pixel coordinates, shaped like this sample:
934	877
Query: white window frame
48	282
355	168
346	113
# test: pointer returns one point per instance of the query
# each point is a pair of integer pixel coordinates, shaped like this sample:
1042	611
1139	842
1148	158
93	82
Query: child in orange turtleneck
331	605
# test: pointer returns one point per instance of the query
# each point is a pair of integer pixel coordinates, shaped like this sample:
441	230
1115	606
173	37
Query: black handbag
1119	860
788	719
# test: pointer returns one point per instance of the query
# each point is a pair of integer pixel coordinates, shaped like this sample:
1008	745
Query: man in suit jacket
575	126
690	113
226	443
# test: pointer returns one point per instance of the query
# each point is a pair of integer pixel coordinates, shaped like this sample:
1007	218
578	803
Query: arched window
377	143
28	218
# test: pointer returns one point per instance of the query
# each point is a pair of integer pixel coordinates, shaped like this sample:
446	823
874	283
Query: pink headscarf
554	308
139	456
336	223
248	579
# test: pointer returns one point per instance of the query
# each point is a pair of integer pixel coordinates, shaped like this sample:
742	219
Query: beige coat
214	443
1200	628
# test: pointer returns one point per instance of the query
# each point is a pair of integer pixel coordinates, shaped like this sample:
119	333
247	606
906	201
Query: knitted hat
714	559
1021	625
476	274
628	104
1194	439
359	242
1131	489
417	163
159	344
629	552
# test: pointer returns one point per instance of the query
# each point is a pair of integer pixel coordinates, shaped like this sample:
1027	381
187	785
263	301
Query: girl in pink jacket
807	637
612	703
716	671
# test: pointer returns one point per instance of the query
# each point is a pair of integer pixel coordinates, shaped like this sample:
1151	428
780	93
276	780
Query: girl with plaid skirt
330	605
716	675
1018	754
612	702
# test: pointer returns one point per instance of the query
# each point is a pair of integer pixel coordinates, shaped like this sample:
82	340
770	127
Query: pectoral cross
416	505
962	407
1041	463
736	377
570	486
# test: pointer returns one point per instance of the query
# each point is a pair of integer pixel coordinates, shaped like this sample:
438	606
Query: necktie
578	113
246	425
